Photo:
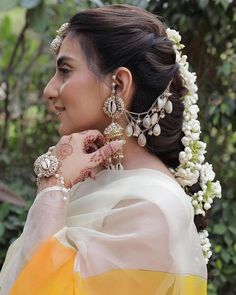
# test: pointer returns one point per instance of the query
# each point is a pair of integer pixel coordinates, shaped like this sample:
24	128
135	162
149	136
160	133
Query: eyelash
64	71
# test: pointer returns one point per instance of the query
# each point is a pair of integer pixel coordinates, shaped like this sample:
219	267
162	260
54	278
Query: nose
51	90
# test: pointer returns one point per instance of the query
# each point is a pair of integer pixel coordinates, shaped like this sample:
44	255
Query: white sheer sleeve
45	217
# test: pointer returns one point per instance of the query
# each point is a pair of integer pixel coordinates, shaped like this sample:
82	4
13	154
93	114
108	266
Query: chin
68	131
64	131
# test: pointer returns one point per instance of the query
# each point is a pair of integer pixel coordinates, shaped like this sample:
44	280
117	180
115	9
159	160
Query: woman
94	227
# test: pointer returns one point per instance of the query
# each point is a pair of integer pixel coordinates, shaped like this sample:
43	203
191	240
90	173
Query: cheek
83	99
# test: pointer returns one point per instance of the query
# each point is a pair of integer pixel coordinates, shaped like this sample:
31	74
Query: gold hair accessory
61	33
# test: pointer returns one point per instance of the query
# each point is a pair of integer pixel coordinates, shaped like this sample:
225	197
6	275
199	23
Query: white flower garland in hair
191	169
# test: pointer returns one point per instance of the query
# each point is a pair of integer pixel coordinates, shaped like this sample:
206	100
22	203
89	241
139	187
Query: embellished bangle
47	165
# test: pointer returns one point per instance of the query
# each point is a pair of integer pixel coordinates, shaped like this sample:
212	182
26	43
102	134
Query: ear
124	85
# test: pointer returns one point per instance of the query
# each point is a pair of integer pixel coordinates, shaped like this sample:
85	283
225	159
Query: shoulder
155	187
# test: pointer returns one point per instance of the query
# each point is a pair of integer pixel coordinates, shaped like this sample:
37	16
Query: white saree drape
127	232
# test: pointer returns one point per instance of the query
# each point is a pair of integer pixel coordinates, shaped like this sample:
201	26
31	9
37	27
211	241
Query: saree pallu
127	232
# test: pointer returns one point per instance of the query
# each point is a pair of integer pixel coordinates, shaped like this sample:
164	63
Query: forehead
71	47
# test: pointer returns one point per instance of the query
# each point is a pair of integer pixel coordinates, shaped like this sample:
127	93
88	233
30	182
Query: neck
138	157
133	153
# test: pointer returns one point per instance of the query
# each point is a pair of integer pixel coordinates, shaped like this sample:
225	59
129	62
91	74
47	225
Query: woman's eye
64	70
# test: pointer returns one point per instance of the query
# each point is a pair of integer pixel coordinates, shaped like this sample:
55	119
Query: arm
47	214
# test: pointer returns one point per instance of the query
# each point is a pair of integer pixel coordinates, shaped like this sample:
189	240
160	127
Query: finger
92	141
84	174
106	152
65	139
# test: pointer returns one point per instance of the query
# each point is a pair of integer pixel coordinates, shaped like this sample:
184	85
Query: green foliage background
27	130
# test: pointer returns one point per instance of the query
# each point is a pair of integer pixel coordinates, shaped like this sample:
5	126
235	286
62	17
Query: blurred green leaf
98	3
4	210
5	28
203	3
2	229
226	256
219	264
233	230
29	4
219	229
217	248
8	4
38	18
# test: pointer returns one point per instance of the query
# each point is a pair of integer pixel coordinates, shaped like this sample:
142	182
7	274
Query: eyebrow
63	59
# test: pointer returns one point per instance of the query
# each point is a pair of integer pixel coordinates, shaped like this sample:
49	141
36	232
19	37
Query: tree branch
19	40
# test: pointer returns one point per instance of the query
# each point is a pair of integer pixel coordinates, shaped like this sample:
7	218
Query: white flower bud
206	241
207	174
209	254
198	166
217	189
195	202
200	198
182	157
205	247
191	165
201	145
210	201
188	150
198	211
185	141
201	158
173	35
207	206
195	136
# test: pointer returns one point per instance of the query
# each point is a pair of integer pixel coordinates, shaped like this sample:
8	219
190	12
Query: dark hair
123	35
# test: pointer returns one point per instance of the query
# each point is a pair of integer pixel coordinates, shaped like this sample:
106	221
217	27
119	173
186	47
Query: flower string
192	168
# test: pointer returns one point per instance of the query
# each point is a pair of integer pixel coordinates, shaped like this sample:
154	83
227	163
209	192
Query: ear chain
138	123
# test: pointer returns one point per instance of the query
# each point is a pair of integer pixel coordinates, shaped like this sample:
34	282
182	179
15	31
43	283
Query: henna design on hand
63	151
92	143
88	143
103	154
84	174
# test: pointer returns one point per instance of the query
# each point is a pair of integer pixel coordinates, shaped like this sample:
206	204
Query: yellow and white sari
127	232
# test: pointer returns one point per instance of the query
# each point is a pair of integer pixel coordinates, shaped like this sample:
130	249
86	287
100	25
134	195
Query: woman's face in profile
74	93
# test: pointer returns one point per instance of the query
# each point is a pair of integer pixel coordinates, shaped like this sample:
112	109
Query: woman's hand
78	154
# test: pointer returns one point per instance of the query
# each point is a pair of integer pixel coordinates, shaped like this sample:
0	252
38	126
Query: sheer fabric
127	232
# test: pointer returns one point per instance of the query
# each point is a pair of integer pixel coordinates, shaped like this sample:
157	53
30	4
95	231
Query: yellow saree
127	232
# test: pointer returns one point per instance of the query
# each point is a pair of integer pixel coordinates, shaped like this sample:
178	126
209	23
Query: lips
59	110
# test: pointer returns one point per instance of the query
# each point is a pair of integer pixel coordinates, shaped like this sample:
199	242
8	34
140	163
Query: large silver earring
114	107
